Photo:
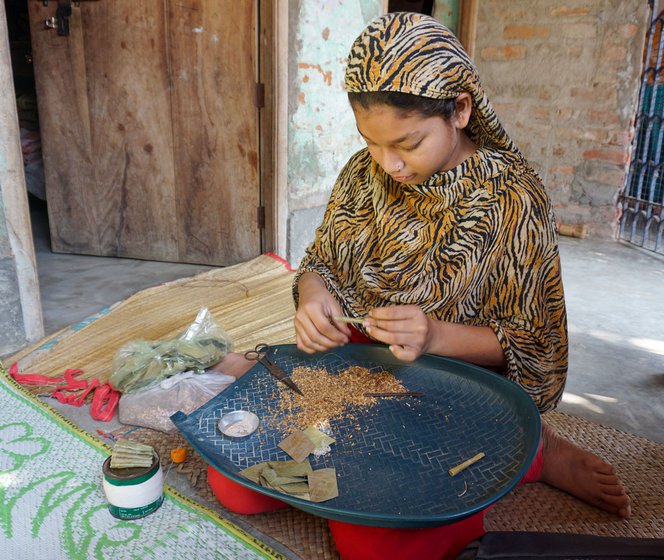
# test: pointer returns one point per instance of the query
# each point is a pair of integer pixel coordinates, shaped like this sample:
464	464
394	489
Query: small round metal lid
238	424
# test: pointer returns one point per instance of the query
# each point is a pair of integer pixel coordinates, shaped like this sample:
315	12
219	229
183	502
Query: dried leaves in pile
128	454
287	477
328	396
295	479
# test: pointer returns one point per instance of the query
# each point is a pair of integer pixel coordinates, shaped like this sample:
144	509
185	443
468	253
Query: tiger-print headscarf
476	244
413	53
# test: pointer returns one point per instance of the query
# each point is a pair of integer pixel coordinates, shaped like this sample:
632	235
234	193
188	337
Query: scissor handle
260	354
252	355
255	354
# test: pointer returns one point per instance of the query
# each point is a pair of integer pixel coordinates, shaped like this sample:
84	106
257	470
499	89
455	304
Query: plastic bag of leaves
141	363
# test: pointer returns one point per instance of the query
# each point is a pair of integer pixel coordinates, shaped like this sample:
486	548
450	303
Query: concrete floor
615	302
73	287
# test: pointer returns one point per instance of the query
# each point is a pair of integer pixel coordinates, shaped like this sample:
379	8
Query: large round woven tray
392	461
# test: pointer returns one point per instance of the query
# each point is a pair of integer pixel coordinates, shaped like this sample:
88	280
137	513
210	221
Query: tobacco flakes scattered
329	396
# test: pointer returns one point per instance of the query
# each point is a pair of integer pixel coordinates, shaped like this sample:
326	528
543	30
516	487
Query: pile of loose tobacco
329	396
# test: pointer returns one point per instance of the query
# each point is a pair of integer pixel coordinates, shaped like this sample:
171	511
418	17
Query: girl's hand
410	333
315	330
405	328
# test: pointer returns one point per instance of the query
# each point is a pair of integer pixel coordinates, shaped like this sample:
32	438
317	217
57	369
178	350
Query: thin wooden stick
401	394
456	470
351	320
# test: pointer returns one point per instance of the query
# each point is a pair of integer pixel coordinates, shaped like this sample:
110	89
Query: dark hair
425	106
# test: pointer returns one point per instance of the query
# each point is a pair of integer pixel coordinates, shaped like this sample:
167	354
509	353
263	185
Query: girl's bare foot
582	474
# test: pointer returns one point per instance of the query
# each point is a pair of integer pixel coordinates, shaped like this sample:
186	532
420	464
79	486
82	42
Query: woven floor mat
304	534
252	301
637	461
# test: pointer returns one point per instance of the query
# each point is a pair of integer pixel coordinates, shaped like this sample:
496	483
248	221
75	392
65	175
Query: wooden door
150	128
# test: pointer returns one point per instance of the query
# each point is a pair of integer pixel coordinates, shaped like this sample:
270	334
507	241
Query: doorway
155	125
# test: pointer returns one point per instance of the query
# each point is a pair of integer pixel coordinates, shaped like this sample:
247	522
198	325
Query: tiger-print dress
475	245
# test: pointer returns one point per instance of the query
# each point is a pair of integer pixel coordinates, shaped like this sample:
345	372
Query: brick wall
564	79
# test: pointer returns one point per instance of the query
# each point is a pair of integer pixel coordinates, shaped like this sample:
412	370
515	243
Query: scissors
260	354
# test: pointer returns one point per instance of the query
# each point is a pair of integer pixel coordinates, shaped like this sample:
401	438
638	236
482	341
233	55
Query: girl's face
410	147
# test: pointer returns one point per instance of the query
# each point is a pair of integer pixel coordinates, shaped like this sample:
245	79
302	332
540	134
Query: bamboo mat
638	462
252	301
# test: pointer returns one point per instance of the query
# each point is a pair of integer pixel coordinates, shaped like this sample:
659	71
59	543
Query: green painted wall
321	127
447	13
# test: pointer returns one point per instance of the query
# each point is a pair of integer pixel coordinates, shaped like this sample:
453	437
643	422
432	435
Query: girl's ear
463	109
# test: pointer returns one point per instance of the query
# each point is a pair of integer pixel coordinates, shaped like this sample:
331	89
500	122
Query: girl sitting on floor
440	235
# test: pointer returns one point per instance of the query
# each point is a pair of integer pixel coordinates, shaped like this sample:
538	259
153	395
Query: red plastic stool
238	498
359	542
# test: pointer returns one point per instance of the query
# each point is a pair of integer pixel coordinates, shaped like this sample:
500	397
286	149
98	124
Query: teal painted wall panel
447	13
321	128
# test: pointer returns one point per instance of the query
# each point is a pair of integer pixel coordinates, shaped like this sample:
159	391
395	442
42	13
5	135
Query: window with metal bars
641	202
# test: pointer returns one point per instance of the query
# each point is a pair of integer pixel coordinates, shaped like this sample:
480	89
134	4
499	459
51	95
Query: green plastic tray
392	464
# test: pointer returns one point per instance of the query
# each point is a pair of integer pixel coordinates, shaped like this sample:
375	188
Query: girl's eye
411	148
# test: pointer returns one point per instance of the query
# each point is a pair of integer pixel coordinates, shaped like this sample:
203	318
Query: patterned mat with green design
52	504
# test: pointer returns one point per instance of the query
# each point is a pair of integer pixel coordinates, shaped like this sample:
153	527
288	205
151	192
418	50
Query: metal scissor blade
280	374
288	381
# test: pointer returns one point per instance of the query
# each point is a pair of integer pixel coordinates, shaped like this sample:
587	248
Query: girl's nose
393	163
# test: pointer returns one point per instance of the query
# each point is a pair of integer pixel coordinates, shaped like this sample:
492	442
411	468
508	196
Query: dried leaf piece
298	446
323	485
130	445
132	464
253	472
297	489
272	478
292	485
319	439
281	468
129	458
129	454
291	468
192	349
